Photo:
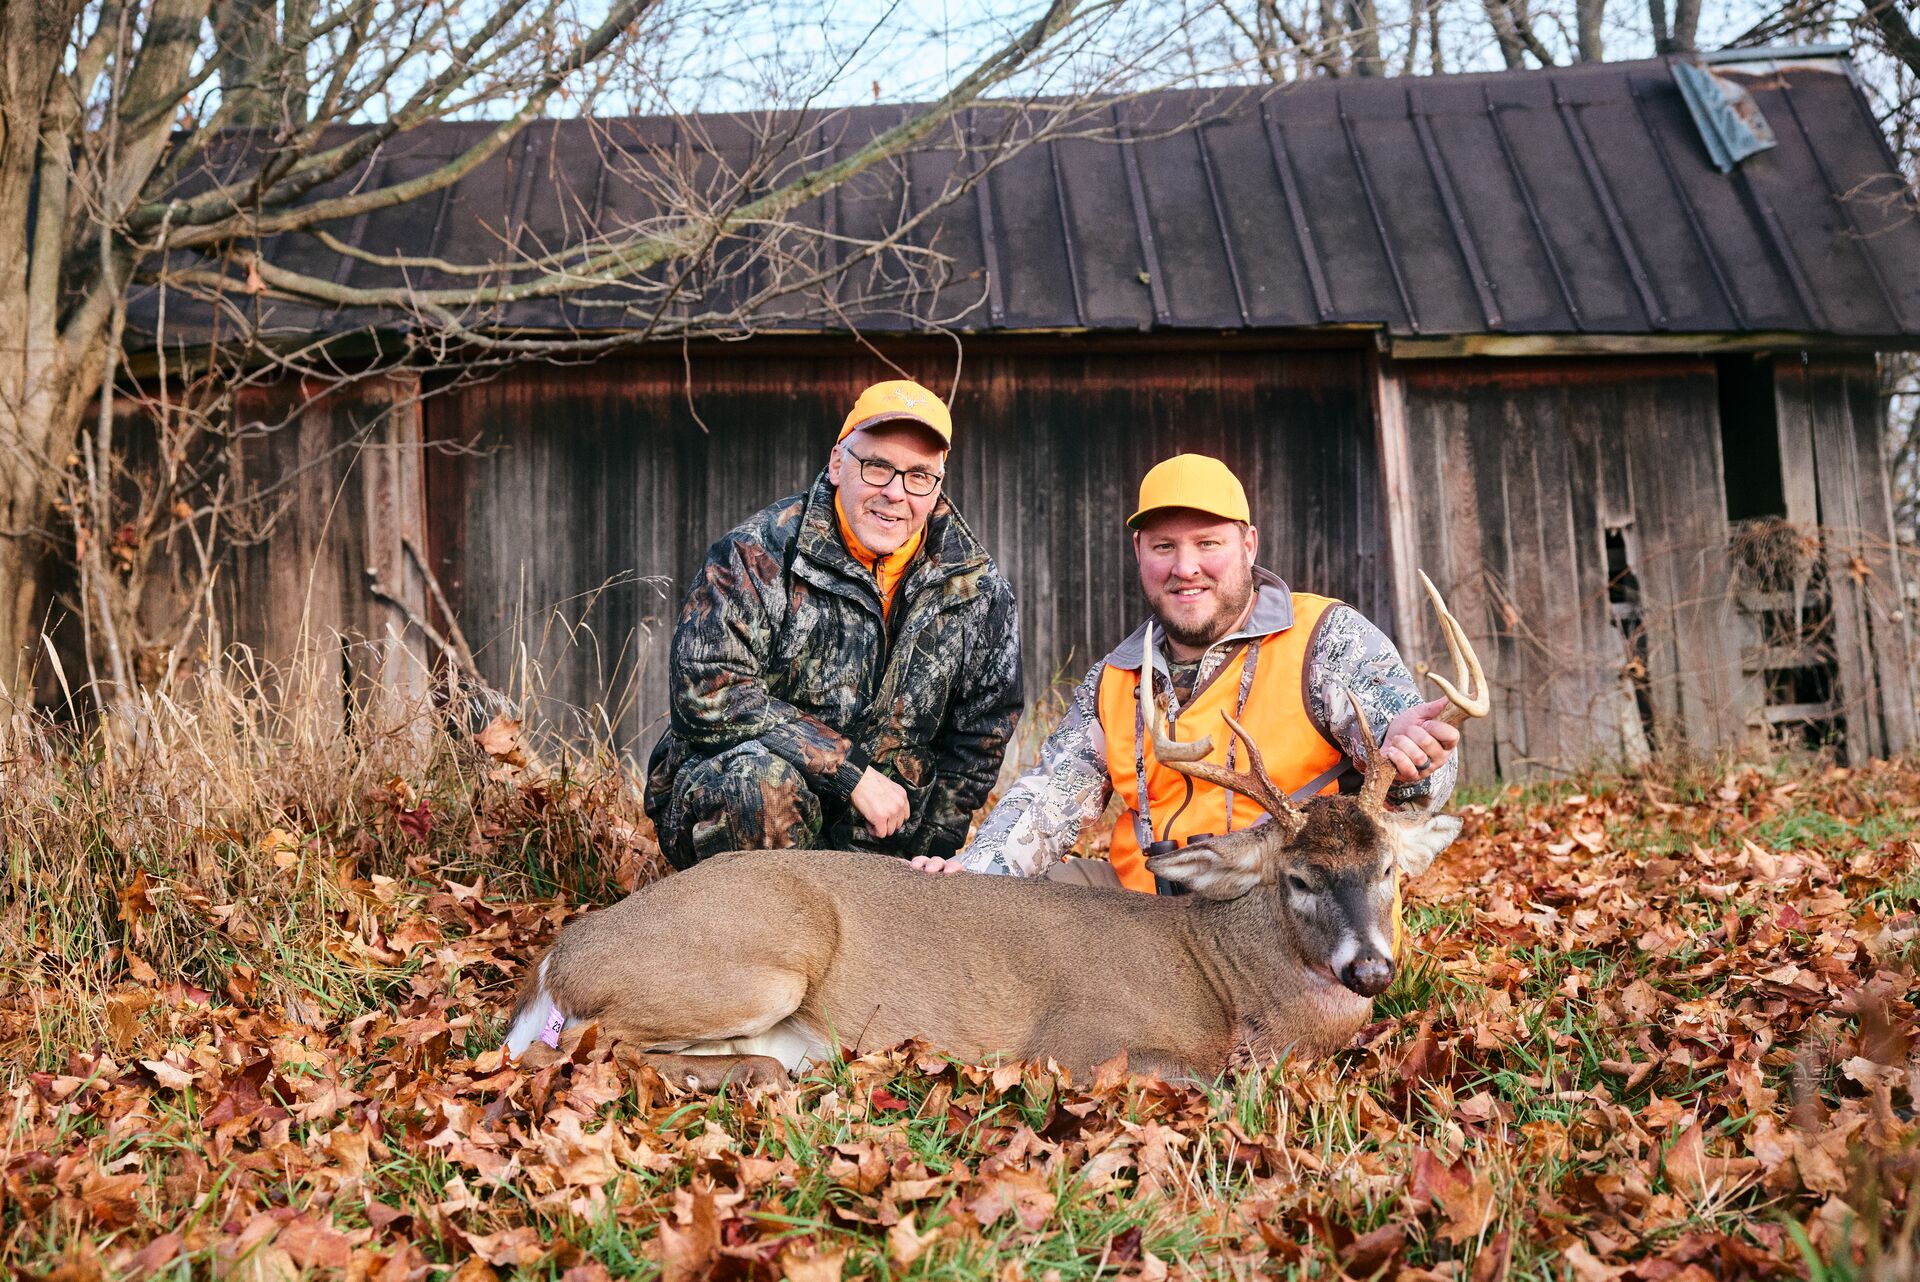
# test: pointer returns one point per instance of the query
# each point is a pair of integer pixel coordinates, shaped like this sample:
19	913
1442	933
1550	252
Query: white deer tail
538	1018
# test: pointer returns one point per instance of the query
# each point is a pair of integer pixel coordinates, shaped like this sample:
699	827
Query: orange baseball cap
899	400
1194	481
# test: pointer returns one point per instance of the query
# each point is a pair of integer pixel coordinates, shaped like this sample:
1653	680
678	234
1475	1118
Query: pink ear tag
555	1022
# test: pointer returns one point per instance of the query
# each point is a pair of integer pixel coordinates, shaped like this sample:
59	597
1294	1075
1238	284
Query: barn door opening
1782	595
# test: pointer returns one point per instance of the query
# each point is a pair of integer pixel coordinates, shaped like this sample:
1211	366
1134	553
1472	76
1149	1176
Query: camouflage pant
746	799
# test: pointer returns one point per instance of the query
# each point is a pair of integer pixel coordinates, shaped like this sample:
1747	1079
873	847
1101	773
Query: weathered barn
1518	329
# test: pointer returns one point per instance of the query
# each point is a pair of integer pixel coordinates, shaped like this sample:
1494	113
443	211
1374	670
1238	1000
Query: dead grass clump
218	838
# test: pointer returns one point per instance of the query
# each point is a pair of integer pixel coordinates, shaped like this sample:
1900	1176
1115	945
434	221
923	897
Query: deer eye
1298	884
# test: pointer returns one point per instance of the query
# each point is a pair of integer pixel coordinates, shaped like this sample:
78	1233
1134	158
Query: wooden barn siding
1516	469
583	478
1832	422
341	478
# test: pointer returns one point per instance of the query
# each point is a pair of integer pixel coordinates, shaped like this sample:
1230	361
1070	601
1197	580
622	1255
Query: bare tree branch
1886	17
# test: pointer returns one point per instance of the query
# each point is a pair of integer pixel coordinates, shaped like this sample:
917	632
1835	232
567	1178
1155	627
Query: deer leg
1166	1067
743	1009
708	1073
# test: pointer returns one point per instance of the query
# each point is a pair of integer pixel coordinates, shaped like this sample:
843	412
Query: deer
753	963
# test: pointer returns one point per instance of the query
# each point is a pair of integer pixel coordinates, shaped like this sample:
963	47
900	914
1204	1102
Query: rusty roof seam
1858	237
1532	208
1484	288
1143	224
1373	209
1686	207
440	211
1220	221
1296	213
570	307
830	246
1761	210
1650	301
989	239
516	229
1066	233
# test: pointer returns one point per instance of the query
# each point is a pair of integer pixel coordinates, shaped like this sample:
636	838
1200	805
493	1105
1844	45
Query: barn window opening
1750	439
1623	602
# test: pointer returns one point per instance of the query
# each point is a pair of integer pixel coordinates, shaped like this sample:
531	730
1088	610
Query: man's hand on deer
935	865
881	802
1418	742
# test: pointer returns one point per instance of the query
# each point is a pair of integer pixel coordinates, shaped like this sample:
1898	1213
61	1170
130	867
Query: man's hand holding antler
1418	742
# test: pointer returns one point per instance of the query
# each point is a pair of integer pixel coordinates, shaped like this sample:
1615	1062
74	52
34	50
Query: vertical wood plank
394	518
1891	630
1680	509
1793	415
1398	497
1850	556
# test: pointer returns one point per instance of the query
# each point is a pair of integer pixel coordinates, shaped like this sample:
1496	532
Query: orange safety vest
1274	713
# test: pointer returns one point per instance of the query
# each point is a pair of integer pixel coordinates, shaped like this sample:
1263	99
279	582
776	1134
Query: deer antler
1466	666
1188	758
1378	773
1462	704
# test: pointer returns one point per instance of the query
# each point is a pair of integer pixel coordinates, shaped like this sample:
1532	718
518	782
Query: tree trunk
17	577
1363	20
1511	49
246	30
1657	19
1588	15
1900	41
1686	20
25	507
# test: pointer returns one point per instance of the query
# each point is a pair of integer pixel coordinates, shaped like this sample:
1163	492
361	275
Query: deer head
1331	866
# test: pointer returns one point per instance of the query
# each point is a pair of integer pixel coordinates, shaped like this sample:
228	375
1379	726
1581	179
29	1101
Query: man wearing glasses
846	669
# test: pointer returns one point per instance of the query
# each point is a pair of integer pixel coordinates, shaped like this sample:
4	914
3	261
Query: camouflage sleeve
1042	814
979	721
1349	653
719	694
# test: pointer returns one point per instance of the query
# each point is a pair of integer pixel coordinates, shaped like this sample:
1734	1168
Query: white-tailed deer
753	962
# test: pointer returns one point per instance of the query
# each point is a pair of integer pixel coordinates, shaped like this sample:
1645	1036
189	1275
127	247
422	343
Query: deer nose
1368	976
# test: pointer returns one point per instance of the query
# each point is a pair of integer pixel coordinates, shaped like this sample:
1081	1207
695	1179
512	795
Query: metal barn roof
1575	201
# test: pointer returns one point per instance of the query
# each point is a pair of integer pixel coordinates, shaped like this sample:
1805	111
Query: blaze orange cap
1192	480
897	400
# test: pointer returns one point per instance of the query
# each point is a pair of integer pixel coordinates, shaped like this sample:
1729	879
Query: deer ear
1224	867
1418	838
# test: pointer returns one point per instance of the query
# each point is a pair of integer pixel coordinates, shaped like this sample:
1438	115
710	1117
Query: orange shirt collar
888	568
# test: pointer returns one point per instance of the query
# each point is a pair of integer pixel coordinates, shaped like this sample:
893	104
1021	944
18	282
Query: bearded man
846	669
1234	639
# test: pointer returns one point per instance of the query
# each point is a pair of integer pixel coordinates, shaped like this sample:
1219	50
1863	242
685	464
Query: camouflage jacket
782	639
1042	815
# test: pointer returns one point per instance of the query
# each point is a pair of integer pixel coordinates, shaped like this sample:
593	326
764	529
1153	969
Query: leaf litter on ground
1658	1028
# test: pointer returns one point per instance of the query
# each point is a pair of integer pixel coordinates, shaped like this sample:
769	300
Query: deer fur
754	962
783	954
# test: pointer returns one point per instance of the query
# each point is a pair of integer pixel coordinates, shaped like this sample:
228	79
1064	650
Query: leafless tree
1286	39
159	157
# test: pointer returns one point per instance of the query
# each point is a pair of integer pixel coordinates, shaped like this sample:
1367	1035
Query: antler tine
1189	758
1379	771
1171	751
1253	782
1466	666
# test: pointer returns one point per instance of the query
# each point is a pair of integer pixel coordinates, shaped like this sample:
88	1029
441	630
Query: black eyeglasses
879	473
